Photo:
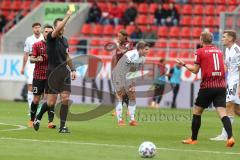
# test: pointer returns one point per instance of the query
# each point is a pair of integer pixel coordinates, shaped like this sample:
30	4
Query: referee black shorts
39	85
59	80
217	96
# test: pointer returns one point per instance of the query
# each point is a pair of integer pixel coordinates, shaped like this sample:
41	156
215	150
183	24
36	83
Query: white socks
30	99
119	110
132	109
224	133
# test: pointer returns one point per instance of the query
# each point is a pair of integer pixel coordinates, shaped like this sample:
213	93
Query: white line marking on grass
19	127
116	145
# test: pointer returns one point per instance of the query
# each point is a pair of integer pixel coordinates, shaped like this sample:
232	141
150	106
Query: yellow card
72	7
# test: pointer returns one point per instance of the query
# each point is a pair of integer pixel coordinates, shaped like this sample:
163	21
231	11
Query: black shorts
59	80
217	96
39	85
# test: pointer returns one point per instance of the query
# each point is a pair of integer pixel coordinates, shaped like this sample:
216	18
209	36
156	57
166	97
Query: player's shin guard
119	110
29	99
131	109
50	113
33	111
43	109
196	124
227	125
63	115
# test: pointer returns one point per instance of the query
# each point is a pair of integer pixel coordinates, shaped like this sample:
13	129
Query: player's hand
22	71
73	75
39	58
180	62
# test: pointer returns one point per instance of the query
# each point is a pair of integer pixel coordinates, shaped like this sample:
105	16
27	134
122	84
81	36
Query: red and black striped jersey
40	70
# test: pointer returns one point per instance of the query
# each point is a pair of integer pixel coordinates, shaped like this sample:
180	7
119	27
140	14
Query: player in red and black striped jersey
39	57
123	45
213	87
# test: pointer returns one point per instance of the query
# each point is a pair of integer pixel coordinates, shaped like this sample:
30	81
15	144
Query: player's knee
132	96
36	100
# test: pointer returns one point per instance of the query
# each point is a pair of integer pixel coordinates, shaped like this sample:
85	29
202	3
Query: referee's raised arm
62	24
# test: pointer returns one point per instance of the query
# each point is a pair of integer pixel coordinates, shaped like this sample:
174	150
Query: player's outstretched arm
192	68
62	24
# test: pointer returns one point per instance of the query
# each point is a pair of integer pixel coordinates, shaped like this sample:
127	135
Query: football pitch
103	139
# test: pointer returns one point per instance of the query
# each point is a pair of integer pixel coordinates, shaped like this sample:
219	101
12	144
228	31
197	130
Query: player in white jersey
129	62
232	62
37	36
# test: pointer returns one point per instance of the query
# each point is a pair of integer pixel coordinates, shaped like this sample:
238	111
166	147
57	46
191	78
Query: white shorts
29	70
232	93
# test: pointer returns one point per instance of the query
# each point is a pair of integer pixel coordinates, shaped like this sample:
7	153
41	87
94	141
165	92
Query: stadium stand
195	16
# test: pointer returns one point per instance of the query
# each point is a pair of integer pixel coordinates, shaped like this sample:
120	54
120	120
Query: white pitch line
116	145
19	127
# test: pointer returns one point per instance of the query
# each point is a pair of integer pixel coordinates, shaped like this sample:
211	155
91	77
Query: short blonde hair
206	37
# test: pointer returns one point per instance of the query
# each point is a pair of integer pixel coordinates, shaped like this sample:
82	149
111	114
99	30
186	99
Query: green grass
88	138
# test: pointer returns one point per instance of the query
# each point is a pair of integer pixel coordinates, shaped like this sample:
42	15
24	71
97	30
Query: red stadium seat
122	6
187	9
220	1
130	29
173	54
162	31
97	29
186	21
143	28
231	8
198	9
161	53
233	2
94	51
142	19
94	42
108	30
35	3
174	32
184	54
185	45
86	29
143	8
16	5
161	43
151	53
6	5
173	43
150	19
219	9
210	10
209	1
185	32
118	28
209	21
197	32
73	41
103	6
26	5
197	21
197	1
152	8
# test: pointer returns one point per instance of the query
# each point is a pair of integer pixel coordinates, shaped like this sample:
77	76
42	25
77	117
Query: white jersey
232	61
133	57
28	49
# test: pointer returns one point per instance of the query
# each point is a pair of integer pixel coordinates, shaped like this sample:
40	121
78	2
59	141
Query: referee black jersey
57	50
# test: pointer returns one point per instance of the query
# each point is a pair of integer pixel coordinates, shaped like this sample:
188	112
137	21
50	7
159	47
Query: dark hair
56	20
206	37
142	45
162	60
36	24
123	32
231	33
47	26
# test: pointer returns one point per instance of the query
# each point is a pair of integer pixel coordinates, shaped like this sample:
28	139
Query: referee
60	71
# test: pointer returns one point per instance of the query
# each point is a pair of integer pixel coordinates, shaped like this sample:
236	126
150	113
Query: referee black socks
50	113
44	108
227	125
196	123
63	115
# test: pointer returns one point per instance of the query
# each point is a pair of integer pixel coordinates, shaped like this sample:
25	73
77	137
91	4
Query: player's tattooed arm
34	59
